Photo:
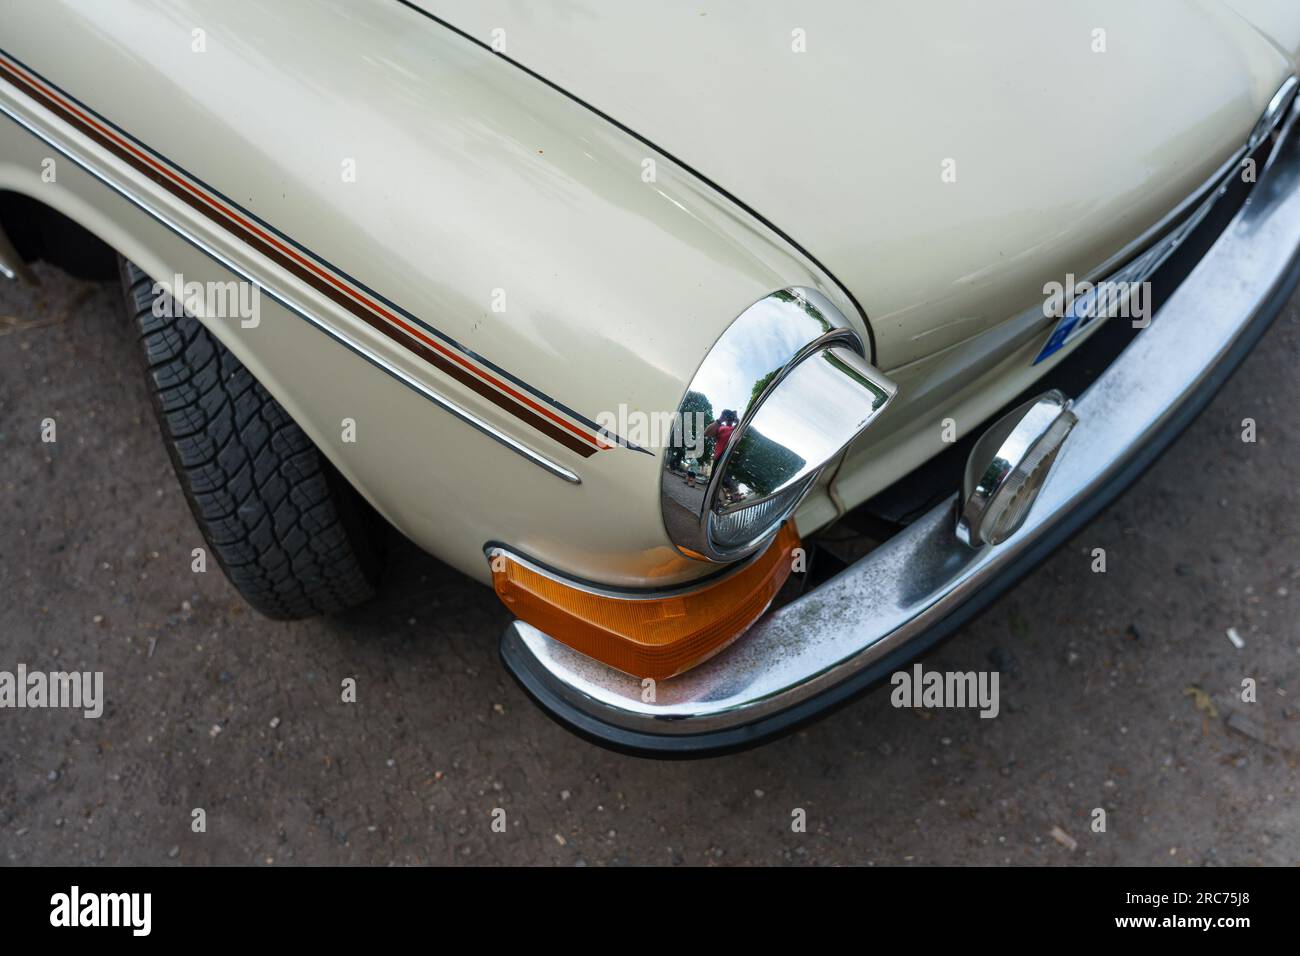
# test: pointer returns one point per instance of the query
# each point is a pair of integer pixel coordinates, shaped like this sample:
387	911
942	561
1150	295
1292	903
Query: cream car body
565	204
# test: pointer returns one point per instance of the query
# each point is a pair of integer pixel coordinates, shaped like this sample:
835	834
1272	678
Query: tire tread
273	511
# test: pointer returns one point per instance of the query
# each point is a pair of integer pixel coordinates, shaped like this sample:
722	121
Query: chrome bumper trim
853	630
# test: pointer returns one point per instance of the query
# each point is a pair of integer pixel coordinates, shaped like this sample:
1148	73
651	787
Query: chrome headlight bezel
796	376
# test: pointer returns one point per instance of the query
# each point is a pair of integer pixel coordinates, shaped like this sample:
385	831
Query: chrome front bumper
857	628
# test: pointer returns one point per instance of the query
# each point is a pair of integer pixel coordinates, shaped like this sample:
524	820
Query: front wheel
293	537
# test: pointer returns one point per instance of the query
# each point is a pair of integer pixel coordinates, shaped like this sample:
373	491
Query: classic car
745	349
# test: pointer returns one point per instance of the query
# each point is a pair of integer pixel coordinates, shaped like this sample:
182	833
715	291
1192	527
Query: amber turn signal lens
648	636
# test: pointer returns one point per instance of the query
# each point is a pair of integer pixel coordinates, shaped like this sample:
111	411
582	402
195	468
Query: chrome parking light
1007	467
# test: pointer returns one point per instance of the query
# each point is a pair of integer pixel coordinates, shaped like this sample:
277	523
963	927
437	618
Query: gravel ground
1119	690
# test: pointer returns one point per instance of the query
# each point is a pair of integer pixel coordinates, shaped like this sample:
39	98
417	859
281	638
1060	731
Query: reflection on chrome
783	391
1008	466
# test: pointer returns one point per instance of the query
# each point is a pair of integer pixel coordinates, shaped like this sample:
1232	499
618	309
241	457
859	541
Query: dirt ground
1120	690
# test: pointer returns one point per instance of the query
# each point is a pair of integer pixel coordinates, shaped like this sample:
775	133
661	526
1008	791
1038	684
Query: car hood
942	160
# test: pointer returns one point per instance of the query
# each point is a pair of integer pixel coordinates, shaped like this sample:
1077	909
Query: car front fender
470	266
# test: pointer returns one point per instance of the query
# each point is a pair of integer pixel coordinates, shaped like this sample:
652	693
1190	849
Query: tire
293	537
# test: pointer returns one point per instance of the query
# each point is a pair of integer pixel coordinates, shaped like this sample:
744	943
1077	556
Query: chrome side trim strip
909	585
86	164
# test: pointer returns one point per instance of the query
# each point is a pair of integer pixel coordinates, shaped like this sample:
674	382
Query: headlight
779	395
